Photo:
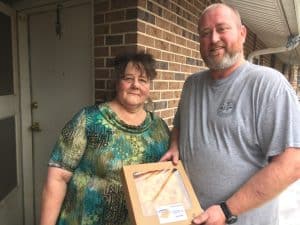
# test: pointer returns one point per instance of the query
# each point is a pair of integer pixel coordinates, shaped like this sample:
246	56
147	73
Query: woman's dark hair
143	61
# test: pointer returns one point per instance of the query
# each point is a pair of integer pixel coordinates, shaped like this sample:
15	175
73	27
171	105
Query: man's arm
53	194
173	152
283	170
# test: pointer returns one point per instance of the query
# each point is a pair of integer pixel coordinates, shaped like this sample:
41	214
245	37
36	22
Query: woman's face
133	88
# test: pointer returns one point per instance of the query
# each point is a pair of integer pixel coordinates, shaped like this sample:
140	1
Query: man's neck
221	74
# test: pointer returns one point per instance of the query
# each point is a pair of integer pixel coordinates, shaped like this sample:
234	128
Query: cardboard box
159	193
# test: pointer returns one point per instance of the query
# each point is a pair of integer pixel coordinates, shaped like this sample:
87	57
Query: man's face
221	38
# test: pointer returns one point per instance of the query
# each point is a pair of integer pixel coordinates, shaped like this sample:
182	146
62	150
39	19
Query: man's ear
243	33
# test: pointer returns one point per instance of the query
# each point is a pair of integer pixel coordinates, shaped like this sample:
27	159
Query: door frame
12	103
25	96
26	119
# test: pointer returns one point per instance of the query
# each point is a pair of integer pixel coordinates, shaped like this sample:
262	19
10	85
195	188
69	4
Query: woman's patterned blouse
94	145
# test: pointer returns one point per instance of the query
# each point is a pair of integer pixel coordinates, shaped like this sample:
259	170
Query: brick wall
166	29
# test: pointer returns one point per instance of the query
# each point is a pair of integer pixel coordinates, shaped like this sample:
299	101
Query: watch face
232	219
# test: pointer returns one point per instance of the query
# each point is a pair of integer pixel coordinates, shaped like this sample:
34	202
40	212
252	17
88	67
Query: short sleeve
71	143
280	122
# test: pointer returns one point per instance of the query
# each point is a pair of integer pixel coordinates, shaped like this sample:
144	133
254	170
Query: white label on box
171	213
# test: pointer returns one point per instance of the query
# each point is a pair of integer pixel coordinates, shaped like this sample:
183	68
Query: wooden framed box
159	193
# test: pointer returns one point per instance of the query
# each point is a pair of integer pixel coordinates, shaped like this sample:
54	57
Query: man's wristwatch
230	219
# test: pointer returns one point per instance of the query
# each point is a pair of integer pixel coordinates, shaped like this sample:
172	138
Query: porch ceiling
273	21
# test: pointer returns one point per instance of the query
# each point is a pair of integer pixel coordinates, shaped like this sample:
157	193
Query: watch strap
230	219
225	210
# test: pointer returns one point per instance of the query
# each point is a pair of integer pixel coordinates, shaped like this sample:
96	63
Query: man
237	128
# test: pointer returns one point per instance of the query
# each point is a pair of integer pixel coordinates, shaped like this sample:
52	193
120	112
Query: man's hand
171	155
212	216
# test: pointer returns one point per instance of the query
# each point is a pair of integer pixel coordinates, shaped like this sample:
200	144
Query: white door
11	187
61	77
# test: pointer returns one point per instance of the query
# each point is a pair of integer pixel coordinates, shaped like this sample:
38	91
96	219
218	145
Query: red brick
160	85
169	36
101	29
146	40
98	19
99	62
124	27
173	103
177	94
165	75
101	51
162	45
167	95
101	7
174	67
99	40
131	38
175	85
179	58
155	95
162	23
115	16
180	41
167	56
101	73
141	27
155	52
115	50
100	84
167	113
175	48
154	31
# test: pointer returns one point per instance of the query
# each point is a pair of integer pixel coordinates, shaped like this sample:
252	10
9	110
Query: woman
83	184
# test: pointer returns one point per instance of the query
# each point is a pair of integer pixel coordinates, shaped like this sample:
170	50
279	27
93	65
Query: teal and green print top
94	145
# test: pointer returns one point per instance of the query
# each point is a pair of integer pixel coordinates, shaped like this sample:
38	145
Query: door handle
34	105
36	127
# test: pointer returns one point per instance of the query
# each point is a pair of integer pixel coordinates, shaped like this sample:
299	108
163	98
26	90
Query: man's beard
227	61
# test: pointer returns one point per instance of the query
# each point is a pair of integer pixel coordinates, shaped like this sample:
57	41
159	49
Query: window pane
6	65
8	166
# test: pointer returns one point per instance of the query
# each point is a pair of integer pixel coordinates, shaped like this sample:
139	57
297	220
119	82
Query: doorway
61	78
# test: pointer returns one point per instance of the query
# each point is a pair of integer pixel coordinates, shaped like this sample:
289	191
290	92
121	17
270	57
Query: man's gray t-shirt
230	127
